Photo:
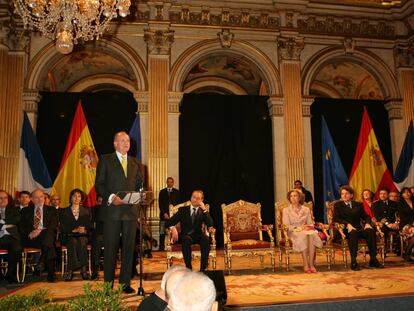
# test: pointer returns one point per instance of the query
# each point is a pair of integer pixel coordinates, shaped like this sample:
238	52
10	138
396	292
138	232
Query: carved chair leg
344	258
214	262
364	254
272	261
261	259
229	264
287	260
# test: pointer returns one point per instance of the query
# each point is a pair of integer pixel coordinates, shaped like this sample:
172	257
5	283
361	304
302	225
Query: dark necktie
193	215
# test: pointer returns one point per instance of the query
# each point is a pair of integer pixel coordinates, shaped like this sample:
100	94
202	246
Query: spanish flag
369	170
78	166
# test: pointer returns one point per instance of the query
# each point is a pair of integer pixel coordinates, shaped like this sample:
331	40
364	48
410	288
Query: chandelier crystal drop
69	21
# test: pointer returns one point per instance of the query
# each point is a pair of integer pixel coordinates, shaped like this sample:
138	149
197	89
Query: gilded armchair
174	250
340	241
285	244
243	233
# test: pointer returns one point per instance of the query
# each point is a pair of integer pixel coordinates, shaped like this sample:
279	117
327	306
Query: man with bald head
118	172
38	229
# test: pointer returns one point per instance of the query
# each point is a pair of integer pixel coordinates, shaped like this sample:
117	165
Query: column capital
276	106
395	109
141	97
30	100
307	102
404	55
12	32
158	40
290	48
174	100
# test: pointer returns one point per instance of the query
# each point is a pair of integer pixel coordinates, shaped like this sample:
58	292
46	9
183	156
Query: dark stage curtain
106	113
343	118
226	150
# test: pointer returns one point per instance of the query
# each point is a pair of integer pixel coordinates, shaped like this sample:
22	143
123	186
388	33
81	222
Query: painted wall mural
81	64
237	69
346	80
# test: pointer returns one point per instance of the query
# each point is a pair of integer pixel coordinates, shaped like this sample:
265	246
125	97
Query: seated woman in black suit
406	213
75	224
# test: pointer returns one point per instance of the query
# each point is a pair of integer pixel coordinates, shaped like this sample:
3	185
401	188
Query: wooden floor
254	284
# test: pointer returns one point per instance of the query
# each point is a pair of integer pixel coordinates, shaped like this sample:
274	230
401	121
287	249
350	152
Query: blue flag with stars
333	172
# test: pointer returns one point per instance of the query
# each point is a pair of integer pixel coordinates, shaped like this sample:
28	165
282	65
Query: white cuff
111	197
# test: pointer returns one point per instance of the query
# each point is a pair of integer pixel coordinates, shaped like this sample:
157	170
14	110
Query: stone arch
106	79
49	56
364	58
215	84
200	50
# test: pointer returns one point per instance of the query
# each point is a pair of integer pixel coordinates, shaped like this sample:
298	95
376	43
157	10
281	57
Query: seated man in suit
167	196
385	211
38	229
191	218
351	214
9	235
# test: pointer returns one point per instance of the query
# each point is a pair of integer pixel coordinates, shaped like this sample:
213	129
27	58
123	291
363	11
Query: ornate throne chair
242	227
174	250
285	244
340	241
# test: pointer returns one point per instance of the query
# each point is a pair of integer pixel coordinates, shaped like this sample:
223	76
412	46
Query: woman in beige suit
301	230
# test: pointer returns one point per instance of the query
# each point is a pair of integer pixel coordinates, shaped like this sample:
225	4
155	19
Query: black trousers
113	229
48	255
189	239
97	244
14	250
369	236
77	252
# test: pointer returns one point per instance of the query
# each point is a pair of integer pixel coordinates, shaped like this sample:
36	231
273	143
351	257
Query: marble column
12	64
276	112
289	49
404	61
31	99
397	128
307	133
174	100
159	39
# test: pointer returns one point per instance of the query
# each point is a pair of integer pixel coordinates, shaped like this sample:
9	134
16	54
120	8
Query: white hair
194	292
167	274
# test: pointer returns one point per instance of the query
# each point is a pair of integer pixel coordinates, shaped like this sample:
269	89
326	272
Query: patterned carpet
253	284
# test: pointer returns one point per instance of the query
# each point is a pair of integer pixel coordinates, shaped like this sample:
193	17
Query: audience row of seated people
359	220
34	224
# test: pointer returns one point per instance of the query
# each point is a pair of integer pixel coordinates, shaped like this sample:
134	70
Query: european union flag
135	136
333	172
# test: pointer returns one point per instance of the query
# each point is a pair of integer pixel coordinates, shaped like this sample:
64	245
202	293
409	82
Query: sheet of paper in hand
129	197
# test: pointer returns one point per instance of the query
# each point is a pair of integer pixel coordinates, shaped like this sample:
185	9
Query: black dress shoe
375	264
11	279
94	275
408	258
355	266
85	275
51	278
128	290
68	276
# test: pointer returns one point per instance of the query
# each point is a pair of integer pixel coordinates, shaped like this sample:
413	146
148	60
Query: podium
145	200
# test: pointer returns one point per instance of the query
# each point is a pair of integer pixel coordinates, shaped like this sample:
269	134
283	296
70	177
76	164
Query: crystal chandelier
69	21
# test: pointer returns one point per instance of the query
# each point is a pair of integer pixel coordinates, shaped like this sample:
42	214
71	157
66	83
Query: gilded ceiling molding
290	48
99	79
226	38
174	101
333	26
395	109
159	41
349	45
276	106
31	98
404	55
141	97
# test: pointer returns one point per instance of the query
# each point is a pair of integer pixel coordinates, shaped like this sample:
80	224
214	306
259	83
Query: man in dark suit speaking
118	172
191	218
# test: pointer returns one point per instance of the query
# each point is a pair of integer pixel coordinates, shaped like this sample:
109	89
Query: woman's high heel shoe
313	270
